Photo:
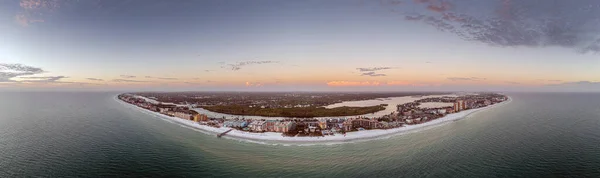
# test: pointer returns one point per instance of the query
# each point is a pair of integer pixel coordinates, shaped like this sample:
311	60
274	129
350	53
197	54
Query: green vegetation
301	112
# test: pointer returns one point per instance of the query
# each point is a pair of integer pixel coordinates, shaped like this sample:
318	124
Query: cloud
370	71
439	6
43	79
9	71
375	83
372	74
161	78
19	68
253	84
49	80
39	4
578	83
587	86
512	23
395	2
128	81
199	83
353	83
34	11
414	18
238	65
465	78
130	76
166	78
95	79
22	20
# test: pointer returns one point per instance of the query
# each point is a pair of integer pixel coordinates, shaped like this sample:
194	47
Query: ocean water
61	134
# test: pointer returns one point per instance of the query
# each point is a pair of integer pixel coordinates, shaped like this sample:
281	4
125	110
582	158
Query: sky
311	45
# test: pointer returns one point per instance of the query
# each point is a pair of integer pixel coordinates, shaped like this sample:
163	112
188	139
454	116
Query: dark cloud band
512	23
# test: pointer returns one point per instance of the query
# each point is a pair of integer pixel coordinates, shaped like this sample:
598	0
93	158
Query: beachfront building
441	111
235	124
284	127
163	108
417	120
395	124
487	102
311	127
364	123
270	125
228	124
200	117
258	126
459	105
241	124
347	125
383	125
170	113
335	123
300	126
185	114
323	125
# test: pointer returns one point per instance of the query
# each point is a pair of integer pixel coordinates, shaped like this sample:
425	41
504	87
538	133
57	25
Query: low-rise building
364	123
258	126
235	124
335	123
487	102
163	108
347	125
323	125
270	125
200	117
312	127
185	114
285	127
441	111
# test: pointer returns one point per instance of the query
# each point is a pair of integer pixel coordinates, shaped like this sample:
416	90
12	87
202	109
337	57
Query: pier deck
221	134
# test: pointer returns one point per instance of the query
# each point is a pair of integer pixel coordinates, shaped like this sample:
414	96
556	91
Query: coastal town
410	113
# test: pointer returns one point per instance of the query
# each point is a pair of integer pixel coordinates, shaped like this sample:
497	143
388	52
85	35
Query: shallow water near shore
88	134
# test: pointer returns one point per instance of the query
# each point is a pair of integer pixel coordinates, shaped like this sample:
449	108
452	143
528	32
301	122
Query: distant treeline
272	98
301	112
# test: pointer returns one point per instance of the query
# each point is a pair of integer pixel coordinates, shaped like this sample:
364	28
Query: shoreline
338	138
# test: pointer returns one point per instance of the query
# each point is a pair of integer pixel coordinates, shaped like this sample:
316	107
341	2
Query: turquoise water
90	135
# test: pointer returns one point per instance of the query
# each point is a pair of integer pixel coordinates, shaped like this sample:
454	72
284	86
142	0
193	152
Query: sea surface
86	134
